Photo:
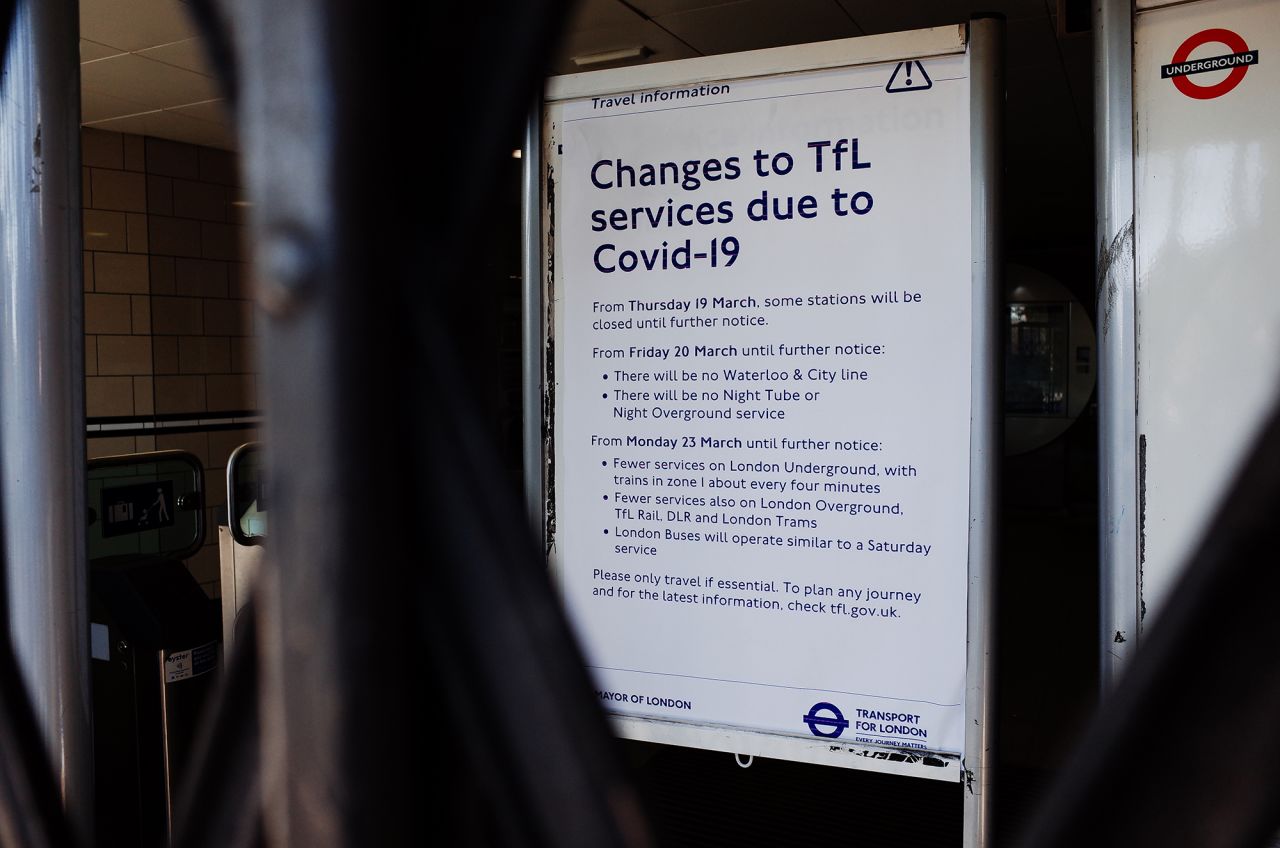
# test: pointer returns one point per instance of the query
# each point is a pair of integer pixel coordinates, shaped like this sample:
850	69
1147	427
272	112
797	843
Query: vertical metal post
532	318
42	454
1118	498
986	80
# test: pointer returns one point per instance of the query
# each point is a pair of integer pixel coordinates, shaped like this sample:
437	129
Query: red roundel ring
1208	92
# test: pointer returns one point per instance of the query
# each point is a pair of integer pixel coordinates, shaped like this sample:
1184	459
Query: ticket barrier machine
154	638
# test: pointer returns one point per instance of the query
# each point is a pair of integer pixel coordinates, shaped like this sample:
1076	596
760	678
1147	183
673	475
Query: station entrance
514	420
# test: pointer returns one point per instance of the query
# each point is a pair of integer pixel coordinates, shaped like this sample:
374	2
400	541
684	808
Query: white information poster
762	334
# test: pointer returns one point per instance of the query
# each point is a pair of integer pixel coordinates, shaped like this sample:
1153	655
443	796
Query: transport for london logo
1238	62
824	715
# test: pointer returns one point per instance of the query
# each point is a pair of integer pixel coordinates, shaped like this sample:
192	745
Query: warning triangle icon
909	76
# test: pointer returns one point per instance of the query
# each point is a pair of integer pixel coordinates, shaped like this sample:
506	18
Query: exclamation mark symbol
907	78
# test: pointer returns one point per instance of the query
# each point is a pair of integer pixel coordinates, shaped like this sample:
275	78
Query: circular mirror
1050	359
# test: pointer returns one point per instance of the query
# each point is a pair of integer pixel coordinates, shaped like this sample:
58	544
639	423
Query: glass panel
148	506
1036	359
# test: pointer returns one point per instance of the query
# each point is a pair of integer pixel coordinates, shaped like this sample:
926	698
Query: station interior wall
168	321
169	318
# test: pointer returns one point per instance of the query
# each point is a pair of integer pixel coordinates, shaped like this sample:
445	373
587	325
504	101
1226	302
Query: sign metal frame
983	39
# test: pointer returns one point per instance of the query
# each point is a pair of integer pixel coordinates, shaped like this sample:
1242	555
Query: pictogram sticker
908	76
1181	68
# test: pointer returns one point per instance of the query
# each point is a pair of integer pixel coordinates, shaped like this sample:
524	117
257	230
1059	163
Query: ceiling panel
641	33
876	16
172	125
213	111
98	106
187	54
146	81
658	8
90	50
134	24
755	24
601	14
142	70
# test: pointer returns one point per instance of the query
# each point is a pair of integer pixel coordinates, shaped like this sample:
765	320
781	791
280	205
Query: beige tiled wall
168	322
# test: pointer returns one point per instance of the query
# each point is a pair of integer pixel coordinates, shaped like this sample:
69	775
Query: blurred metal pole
42	387
986	74
533	350
314	617
1120	616
409	636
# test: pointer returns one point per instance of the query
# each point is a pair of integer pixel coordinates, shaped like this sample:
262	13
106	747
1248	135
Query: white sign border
983	38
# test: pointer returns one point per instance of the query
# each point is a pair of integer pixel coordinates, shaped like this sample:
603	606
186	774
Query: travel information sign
759	498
